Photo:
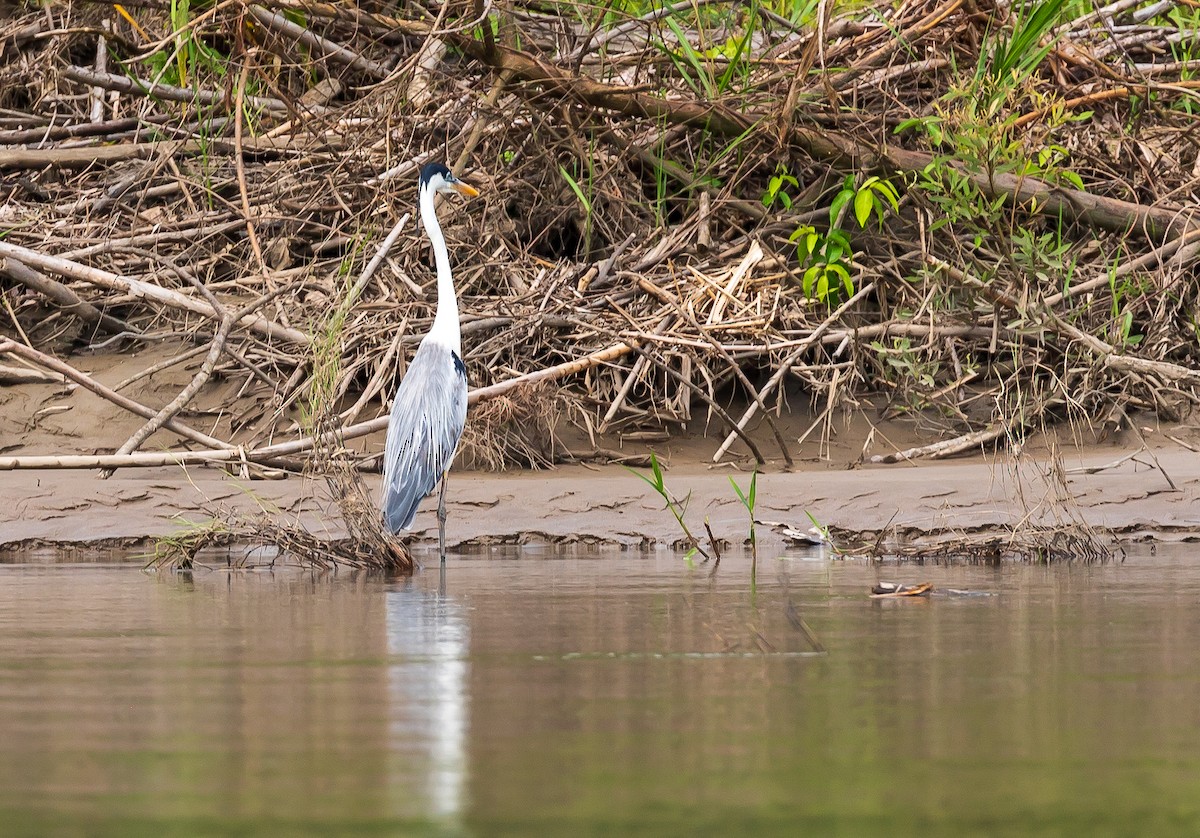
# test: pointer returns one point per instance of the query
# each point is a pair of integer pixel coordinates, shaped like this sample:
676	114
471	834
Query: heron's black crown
431	169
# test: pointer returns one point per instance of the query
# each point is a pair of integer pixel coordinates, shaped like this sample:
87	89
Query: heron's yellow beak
469	191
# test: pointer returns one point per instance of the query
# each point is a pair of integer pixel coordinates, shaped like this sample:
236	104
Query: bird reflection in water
427	638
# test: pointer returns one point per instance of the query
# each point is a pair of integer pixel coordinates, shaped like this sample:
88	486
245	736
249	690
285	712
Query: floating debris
895	589
812	537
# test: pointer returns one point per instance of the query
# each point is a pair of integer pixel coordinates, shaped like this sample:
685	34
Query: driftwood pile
236	181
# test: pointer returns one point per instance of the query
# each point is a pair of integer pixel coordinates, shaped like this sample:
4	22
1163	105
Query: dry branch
154	90
36	158
943	448
62	295
139	288
43	360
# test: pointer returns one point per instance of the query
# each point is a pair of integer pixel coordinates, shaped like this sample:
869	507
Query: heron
430	409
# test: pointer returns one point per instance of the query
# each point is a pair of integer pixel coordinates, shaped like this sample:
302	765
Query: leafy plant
777	188
871	199
748	500
675	507
823	531
1122	317
696	67
903	365
585	202
189	54
828	256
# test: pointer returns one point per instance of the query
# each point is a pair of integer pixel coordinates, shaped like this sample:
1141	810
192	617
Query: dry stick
1105	95
944	448
185	395
239	162
104	392
62	295
145	87
21	375
688	383
761	396
670	299
271	453
146	290
377	259
141	459
376	382
198	228
80	129
498	86
1111	358
902	40
601	356
632	378
709	400
336	52
36	158
160	366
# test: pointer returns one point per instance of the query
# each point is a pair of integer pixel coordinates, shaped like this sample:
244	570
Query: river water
544	693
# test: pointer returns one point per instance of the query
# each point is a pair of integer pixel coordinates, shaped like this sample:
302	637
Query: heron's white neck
445	328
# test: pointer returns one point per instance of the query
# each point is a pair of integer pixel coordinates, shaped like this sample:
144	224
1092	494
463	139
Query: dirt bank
594	504
580	504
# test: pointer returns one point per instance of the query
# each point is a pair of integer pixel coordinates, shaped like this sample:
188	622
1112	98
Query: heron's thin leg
441	513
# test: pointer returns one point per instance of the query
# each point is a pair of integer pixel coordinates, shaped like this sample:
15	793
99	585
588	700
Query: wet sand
609	505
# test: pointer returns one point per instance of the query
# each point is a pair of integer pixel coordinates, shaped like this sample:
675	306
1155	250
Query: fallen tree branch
36	158
267	455
286	28
146	290
157	90
124	402
943	448
61	294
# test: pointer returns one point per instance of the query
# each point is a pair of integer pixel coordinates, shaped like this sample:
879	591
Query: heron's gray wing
423	432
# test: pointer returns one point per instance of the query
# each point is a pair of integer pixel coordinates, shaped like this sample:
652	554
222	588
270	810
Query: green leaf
864	202
839	237
889	193
738	490
640	476
810	277
587	205
839	201
657	469
841	271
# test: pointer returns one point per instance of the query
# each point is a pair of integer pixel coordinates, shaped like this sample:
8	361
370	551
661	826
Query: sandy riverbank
608	505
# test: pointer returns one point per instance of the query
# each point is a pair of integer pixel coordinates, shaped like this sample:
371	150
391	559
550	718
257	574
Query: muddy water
603	695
